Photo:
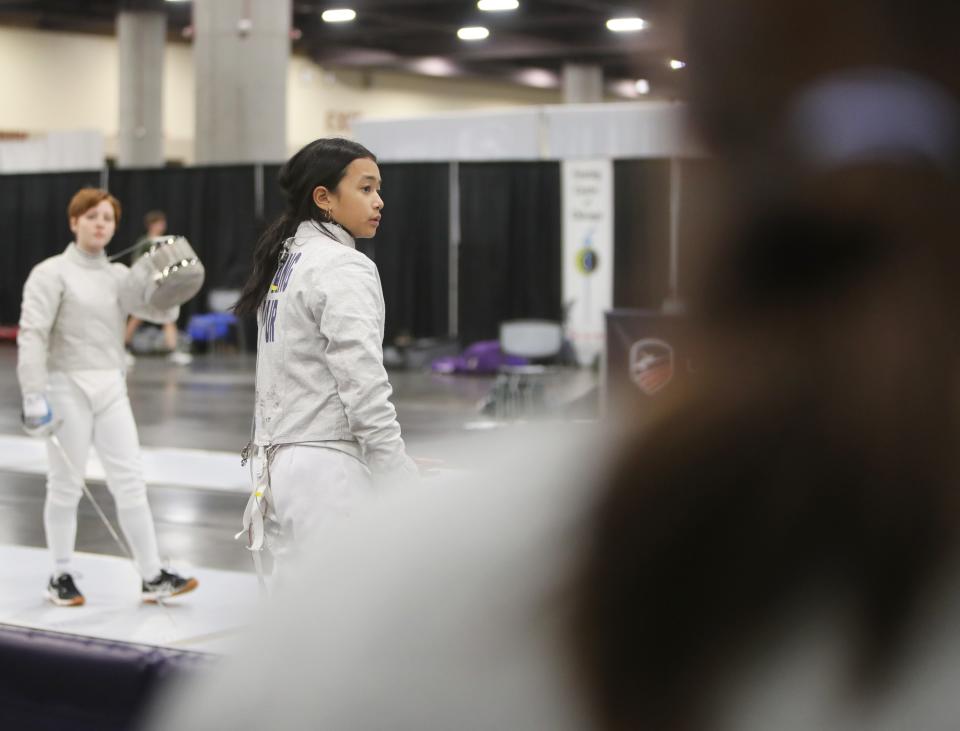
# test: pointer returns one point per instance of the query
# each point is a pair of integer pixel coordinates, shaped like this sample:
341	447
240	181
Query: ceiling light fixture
495	6
642	86
626	25
472	33
537	78
338	15
676	64
434	66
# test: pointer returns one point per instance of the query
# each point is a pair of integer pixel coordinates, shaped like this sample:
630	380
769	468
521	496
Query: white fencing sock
60	525
137	524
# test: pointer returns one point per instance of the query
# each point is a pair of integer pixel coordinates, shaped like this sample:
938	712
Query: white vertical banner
587	252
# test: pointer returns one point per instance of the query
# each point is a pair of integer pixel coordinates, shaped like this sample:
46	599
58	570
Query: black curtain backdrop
641	233
642	227
411	247
700	207
510	245
33	221
510	252
273	198
214	207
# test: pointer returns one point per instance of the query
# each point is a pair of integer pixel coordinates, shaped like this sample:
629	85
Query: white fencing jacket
320	374
73	315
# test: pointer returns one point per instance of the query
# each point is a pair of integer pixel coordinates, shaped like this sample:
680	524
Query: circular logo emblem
587	260
651	365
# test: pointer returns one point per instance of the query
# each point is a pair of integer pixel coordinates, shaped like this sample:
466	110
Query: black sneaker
167	584
63	592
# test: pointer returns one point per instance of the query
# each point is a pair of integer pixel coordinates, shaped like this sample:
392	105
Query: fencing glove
37	416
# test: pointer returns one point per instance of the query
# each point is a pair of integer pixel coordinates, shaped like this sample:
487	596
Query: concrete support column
141	38
241	50
582	83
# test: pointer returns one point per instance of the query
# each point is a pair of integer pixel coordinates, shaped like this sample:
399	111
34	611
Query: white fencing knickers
94	408
313	487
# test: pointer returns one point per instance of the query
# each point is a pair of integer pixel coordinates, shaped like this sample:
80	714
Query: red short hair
86	198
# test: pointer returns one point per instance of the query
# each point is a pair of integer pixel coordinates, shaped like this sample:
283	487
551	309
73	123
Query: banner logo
651	365
587	261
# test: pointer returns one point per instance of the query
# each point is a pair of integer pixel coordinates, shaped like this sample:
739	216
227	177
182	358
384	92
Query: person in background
70	365
155	223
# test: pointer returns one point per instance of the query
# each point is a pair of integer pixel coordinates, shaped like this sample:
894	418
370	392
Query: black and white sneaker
63	592
167	584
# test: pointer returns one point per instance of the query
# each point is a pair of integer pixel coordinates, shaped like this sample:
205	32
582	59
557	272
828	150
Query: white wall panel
629	130
563	132
512	134
57	151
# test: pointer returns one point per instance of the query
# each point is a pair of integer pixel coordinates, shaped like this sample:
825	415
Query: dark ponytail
322	162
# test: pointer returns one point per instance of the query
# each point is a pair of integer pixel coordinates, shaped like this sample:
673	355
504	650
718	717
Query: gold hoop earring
325	216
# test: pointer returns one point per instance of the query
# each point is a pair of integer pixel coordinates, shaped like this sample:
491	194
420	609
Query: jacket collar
312	229
76	255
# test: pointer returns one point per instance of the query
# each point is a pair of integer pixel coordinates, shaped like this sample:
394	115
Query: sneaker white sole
54	599
151	597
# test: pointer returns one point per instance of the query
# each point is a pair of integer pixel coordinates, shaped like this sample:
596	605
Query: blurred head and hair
812	461
748	58
152	217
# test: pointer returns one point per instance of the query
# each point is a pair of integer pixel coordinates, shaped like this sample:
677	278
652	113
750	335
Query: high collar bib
310	229
76	255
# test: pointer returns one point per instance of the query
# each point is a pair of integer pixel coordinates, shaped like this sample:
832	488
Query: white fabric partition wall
55	151
628	130
511	134
561	132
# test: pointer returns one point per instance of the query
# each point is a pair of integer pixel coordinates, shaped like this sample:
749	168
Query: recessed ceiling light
676	64
626	25
338	15
473	33
434	66
642	86
539	78
493	6
177	1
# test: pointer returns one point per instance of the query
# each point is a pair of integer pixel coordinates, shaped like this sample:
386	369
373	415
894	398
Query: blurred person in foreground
781	550
778	549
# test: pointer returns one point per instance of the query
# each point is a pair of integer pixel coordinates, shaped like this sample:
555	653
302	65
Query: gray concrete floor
207	405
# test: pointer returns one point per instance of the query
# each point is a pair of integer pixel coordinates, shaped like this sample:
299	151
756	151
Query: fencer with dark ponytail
321	163
320	377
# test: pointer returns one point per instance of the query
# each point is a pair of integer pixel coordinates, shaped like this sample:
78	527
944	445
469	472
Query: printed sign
587	252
